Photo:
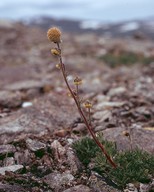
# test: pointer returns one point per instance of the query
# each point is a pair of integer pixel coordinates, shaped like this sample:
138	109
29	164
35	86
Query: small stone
32	93
12	168
9	161
11	188
99	128
57	180
61	133
78	188
27	104
58	150
102	115
96	183
116	91
107	104
70	141
22	158
101	98
73	162
130	187
24	85
143	111
144	187
10	99
79	128
6	150
35	145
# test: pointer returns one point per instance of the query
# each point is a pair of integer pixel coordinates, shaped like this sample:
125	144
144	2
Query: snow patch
90	24
129	27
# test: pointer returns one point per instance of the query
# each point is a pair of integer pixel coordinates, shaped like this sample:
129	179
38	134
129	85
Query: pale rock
10	99
102	115
116	91
144	187
70	141
9	161
26	104
79	128
6	149
108	104
101	98
24	85
58	150
56	180
72	161
12	168
35	145
130	188
78	188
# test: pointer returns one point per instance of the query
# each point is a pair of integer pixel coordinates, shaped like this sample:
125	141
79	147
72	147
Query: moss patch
132	166
125	58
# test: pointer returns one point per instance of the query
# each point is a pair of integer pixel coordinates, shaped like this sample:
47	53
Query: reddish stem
82	114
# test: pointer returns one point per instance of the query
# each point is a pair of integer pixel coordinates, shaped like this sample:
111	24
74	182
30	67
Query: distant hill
136	28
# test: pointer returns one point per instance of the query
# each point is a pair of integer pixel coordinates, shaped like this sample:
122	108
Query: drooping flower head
88	104
77	81
54	35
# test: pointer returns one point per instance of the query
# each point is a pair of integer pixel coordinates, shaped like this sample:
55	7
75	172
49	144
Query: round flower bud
88	104
77	81
55	51
58	66
69	94
54	34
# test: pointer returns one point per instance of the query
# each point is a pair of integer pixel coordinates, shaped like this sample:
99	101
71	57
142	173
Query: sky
101	10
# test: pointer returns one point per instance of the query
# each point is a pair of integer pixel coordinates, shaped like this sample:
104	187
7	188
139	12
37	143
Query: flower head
77	81
54	34
88	104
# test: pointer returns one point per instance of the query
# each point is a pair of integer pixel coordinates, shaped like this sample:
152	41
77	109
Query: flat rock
10	99
108	104
24	85
11	188
73	162
6	149
102	115
57	180
48	113
96	183
78	188
58	150
9	161
141	138
116	91
12	168
130	188
35	145
79	128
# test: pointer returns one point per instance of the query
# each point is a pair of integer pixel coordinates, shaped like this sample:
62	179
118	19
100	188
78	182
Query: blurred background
108	17
106	11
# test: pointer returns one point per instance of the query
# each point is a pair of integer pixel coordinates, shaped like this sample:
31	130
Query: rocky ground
39	122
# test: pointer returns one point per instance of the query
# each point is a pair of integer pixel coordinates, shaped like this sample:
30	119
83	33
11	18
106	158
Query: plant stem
89	116
81	112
